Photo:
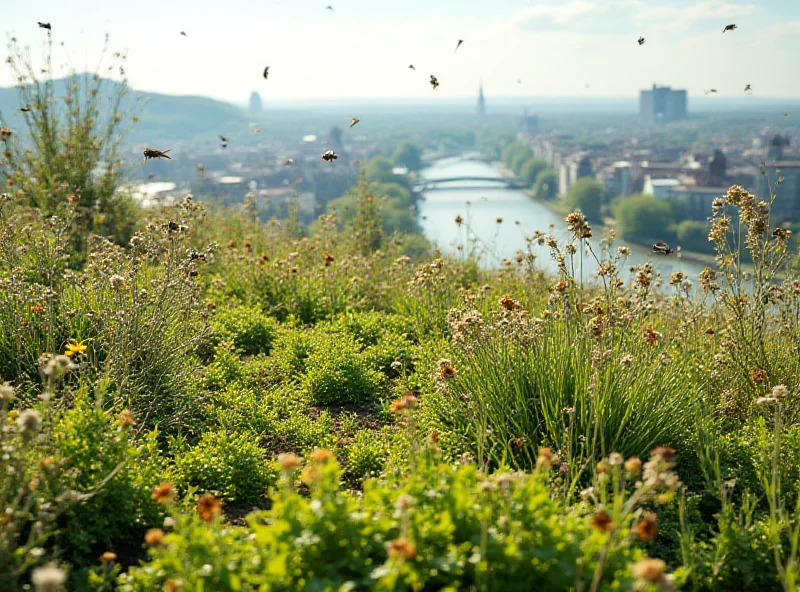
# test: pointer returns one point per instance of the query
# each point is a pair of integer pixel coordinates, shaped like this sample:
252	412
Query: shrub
586	195
693	236
250	331
531	169
420	532
643	218
336	372
366	455
546	184
233	465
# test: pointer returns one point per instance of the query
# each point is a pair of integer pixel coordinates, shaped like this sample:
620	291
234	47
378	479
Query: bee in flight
224	141
411	67
662	248
460	41
153	153
354	121
266	72
729	28
434	82
25	109
711	90
183	34
44	26
748	88
641	40
289	161
329	156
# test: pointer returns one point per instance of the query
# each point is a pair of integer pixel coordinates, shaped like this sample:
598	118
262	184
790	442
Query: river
481	205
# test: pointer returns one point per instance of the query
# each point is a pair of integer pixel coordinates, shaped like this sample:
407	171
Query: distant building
661	188
255	103
662	105
698	200
787	192
481	102
572	170
528	125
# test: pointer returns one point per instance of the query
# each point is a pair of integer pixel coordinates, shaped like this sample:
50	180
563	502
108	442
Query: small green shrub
366	455
250	331
233	465
337	374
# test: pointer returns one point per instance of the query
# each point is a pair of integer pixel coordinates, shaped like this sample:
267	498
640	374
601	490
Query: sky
362	48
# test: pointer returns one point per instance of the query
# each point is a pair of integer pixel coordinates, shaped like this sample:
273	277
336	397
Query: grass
230	404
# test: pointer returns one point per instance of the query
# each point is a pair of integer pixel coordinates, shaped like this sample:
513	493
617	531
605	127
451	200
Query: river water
480	205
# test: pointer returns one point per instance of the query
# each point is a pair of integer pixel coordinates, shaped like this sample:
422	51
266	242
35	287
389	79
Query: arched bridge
456	183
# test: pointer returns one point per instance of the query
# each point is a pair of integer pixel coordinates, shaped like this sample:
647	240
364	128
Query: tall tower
481	102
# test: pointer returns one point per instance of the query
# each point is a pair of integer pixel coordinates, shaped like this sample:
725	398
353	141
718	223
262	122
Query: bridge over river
467	182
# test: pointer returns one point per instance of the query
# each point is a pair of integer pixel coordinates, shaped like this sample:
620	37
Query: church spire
481	102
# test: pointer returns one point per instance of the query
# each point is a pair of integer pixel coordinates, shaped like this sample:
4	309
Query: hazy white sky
363	47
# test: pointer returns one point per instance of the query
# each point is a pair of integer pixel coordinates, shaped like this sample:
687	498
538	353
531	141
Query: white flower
6	392
779	391
48	578
169	522
765	400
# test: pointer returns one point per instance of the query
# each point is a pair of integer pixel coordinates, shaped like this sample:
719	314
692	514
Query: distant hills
162	117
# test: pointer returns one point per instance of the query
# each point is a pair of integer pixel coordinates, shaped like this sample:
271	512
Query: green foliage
693	236
409	155
546	184
337	373
586	195
250	331
119	512
531	169
366	455
515	538
643	218
379	170
231	465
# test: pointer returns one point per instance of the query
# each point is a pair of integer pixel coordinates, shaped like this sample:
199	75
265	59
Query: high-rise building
255	102
662	105
481	102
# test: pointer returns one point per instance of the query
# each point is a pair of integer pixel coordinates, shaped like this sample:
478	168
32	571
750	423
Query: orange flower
646	529
601	520
633	465
108	557
544	458
209	507
759	376
289	461
402	548
508	303
125	418
154	536
37	309
407	401
328	260
310	475
321	455
446	369
163	493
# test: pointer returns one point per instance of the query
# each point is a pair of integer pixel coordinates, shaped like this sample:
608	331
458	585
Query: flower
28	421
402	548
310	474
508	303
289	461
321	455
404	502
154	536
779	391
74	348
633	466
666	453
162	493
446	369
646	529
407	401
37	309
759	376
6	392
169	522
328	259
48	578
209	507
108	557
459	220
601	520
125	418
649	570
544	458
615	459
765	400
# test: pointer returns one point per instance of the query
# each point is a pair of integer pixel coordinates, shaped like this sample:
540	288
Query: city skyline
363	50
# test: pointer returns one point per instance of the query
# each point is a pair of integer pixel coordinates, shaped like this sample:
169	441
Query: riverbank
560	207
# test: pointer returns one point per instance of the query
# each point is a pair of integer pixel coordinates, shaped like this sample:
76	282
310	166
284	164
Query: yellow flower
75	348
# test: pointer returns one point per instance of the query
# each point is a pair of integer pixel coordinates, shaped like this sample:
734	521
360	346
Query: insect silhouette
354	121
711	90
329	156
329	7
411	67
266	72
201	169
662	248
224	141
434	82
150	153
748	88
729	28
44	26
25	109
183	33
460	41
641	40
289	161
